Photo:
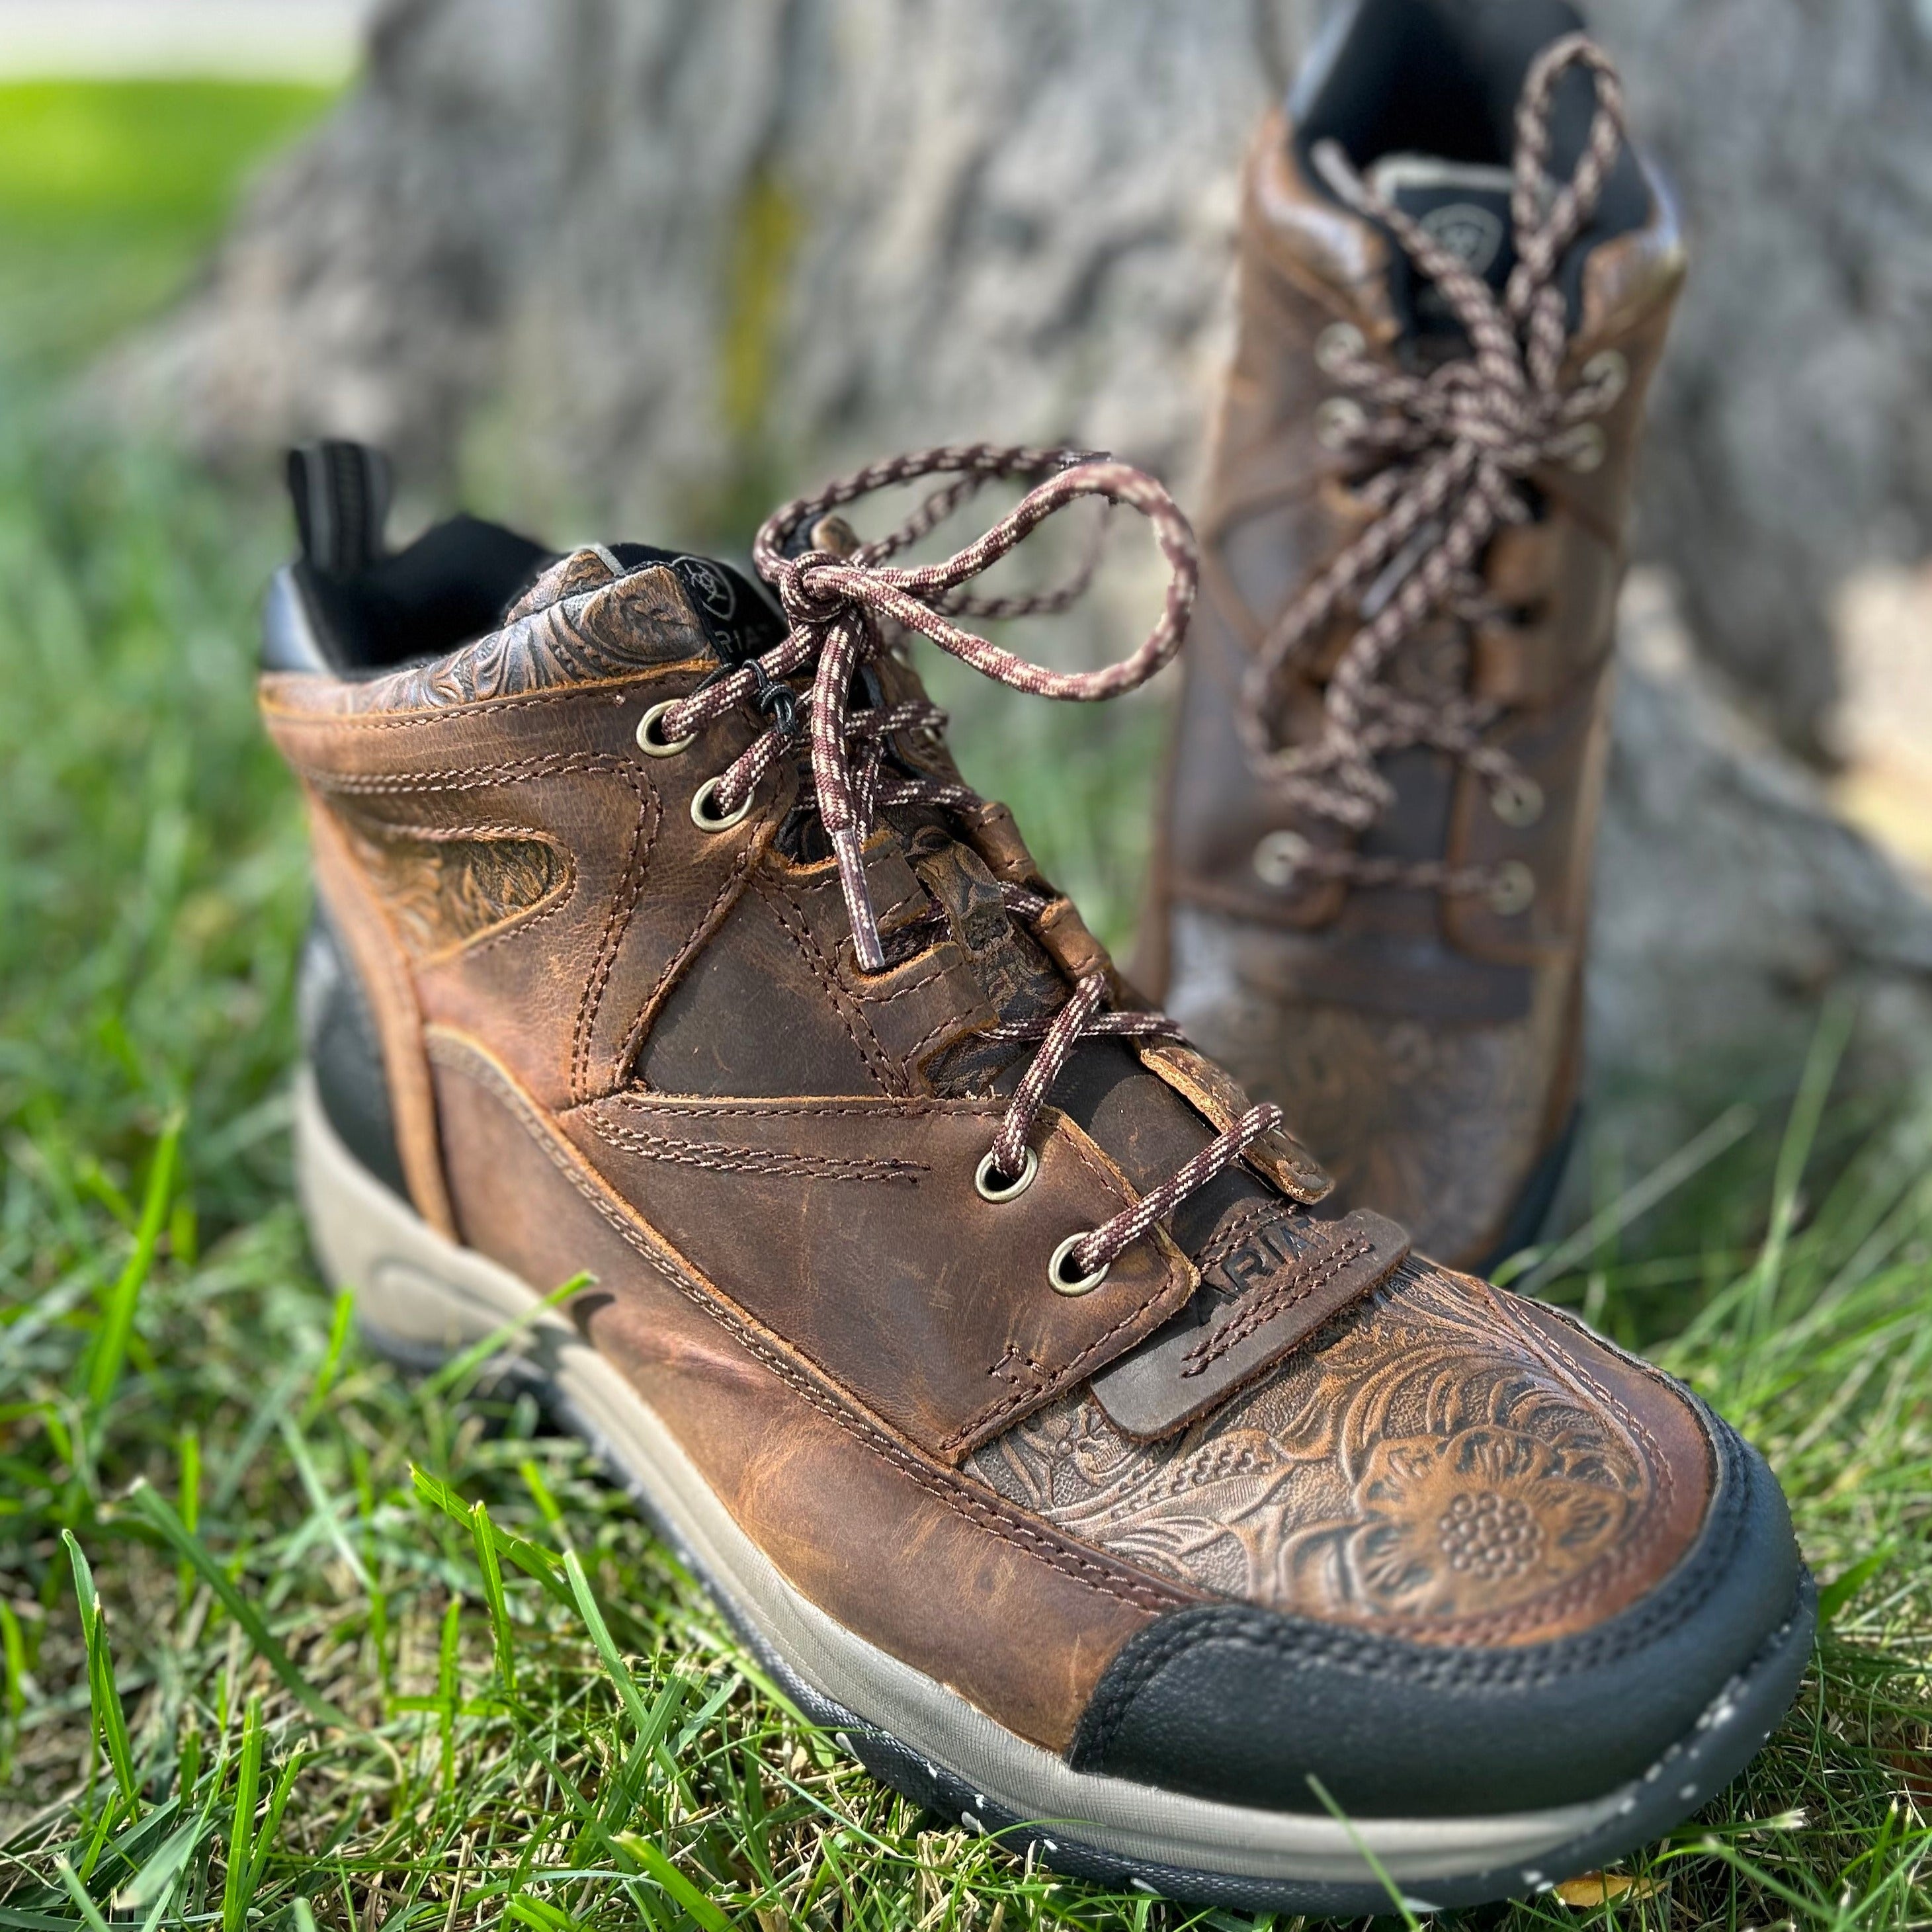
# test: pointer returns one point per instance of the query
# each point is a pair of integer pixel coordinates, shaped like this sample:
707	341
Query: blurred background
636	268
640	268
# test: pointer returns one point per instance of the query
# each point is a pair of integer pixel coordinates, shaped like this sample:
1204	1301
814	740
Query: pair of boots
1040	1411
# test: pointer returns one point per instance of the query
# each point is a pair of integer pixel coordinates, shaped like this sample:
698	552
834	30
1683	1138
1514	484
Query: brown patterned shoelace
1454	447
835	601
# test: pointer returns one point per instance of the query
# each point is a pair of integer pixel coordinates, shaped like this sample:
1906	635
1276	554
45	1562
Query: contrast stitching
1067	1372
756	1160
793	924
1260	1309
982	1512
724	898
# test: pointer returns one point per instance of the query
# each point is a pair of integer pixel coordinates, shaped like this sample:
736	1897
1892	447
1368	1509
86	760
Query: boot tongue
1465	207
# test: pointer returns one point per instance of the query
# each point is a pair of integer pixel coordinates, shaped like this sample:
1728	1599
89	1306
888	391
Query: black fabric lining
1442	78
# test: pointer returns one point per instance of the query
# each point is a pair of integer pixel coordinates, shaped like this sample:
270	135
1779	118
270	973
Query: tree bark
647	265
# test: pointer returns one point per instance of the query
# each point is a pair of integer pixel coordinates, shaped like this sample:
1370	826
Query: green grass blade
456	1373
1361	1844
150	1886
339	1325
535	1562
148	1502
110	1720
600	1635
89	1912
236	1888
483	1533
664	1873
110	1345
272	1822
1836	1595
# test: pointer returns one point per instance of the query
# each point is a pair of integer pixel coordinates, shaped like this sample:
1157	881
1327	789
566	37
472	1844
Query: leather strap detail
1214	1093
852	1226
1287	1279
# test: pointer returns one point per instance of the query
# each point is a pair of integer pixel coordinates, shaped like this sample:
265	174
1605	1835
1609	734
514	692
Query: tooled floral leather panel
853	1227
1432	1466
445	887
567	991
590	633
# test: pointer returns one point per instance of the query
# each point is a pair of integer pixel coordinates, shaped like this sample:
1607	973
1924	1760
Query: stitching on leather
952	1024
984	1512
657	1102
687	950
465	777
1373	1655
1068	1372
935	969
629	888
755	1160
379	720
793	922
1248	1220
1261	1309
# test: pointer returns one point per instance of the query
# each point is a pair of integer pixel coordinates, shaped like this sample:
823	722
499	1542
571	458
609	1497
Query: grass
291	1640
109	191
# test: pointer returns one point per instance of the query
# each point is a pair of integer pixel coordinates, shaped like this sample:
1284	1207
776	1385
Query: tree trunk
647	265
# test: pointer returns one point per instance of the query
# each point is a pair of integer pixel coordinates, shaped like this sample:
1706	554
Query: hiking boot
967	1332
1371	884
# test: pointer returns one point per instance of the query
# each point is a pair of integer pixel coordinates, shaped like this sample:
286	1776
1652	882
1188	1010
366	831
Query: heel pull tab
341	492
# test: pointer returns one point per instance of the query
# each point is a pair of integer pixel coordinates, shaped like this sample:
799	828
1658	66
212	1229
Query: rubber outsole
420	1298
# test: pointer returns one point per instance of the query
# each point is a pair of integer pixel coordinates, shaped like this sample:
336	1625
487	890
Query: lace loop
836	603
1454	447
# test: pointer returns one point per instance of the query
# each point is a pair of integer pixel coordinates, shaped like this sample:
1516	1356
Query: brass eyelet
1513	889
1517	801
1583	448
650	744
1338	421
1340	343
700	815
1279	855
991	1189
1608	372
1083	1284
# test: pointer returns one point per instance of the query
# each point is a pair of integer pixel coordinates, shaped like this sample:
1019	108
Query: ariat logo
1268	1248
708	585
1472	234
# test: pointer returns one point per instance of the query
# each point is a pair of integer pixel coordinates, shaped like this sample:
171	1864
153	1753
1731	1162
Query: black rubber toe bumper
1246	1706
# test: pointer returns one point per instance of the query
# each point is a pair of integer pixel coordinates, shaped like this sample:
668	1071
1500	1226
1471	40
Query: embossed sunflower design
1451	1525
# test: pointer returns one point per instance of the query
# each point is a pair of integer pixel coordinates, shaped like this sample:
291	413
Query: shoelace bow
1457	444
835	601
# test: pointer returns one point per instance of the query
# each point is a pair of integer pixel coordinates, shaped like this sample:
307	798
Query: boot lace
1452	451
838	596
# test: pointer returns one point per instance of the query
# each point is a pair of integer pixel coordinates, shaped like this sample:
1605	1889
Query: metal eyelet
1279	855
1584	447
990	1189
1083	1284
1513	889
700	815
650	744
1340	343
1608	372
1339	421
1518	800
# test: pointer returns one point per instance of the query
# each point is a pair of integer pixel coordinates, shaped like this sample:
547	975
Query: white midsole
424	1290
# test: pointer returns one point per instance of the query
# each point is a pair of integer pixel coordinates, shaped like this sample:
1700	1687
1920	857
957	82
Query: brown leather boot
1372	887
967	1330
